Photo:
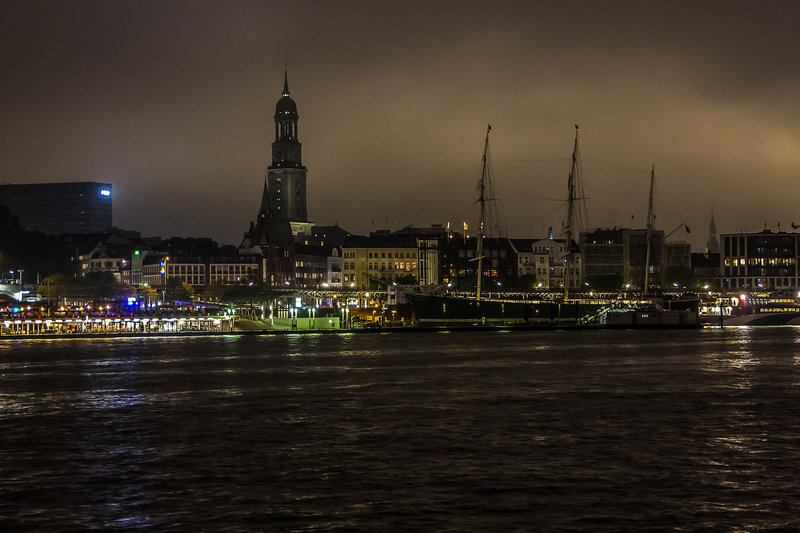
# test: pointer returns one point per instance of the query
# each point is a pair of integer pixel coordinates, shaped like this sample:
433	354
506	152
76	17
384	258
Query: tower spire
264	200
287	175
712	245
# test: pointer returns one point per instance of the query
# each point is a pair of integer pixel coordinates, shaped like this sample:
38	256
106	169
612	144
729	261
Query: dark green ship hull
452	311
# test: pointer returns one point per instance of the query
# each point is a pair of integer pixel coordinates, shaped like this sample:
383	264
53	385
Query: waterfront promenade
114	326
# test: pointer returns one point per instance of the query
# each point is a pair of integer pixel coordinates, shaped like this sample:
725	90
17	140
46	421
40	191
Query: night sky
172	103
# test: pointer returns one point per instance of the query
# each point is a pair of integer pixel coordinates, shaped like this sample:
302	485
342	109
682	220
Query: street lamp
164	271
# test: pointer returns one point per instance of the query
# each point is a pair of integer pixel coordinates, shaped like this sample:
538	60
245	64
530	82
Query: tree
214	292
150	296
57	286
100	286
186	291
178	290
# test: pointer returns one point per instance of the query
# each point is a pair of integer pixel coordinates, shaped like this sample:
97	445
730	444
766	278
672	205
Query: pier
106	326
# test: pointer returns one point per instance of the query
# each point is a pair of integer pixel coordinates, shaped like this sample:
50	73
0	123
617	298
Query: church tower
286	175
712	245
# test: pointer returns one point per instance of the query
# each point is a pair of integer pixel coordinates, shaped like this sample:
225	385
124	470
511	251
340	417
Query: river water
473	431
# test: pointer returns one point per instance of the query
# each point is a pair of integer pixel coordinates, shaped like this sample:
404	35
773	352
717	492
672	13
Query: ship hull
452	311
762	319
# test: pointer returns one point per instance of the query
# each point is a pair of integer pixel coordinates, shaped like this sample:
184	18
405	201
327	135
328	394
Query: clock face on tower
277	155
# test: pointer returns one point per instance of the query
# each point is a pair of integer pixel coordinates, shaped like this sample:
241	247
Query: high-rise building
70	207
286	175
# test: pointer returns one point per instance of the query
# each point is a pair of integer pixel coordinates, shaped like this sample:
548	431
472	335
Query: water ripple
535	431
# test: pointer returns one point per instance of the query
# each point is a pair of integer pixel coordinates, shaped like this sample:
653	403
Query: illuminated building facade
118	252
764	260
227	272
71	207
333	270
376	262
543	263
428	268
311	265
158	269
429	242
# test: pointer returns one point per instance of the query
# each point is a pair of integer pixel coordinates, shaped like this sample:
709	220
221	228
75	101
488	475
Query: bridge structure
11	294
273	294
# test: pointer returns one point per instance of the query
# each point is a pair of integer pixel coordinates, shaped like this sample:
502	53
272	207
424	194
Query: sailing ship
568	309
447	310
651	311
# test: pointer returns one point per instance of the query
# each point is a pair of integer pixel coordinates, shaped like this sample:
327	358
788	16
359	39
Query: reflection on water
580	431
111	399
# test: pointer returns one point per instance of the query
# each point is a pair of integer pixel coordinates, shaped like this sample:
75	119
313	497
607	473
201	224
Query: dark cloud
173	103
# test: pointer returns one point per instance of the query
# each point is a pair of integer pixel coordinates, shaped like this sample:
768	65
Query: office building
70	207
764	260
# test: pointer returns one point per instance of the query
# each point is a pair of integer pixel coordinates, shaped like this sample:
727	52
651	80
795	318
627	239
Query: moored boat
756	310
437	310
431	309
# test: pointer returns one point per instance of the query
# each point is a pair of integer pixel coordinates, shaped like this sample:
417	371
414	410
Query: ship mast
649	234
571	214
482	201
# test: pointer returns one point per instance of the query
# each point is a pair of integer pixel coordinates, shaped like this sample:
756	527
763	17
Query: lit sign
105	192
298	302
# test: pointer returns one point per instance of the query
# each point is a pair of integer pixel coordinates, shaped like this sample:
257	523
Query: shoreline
412	329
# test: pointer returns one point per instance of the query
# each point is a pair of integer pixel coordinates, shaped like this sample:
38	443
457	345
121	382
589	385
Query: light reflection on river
478	431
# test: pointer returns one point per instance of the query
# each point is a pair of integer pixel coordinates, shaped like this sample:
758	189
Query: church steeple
286	150
287	175
712	246
264	210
